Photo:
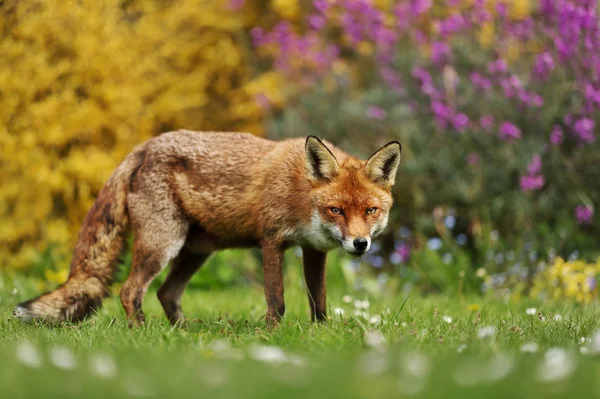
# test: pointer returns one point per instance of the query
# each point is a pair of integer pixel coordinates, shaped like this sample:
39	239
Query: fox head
350	200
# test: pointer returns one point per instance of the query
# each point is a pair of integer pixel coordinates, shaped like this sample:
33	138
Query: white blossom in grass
582	340
347	299
103	366
461	348
447	319
499	367
593	343
531	311
558	317
28	355
338	311
374	363
416	364
558	364
273	354
268	354
361	313
362	304
223	349
486	332
529	347
375	319
374	339
584	350
416	367
62	358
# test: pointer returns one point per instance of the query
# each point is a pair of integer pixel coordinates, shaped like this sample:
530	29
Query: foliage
495	103
83	82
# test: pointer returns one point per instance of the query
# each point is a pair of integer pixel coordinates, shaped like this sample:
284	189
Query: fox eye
371	210
336	211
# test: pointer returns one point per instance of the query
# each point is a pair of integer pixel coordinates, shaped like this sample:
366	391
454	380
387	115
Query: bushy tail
99	245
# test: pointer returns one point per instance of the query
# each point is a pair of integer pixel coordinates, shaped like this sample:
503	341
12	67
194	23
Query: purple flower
556	135
473	158
591	281
418	7
480	81
544	64
441	112
511	86
321	5
258	36
460	122
509	131
584	128
486	122
403	250
440	51
391	78
375	112
584	214
501	9
497	66
529	98
531	183
316	21
535	166
591	94
421	73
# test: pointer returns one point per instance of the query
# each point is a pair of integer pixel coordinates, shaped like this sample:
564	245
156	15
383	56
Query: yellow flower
473	307
519	9
486	34
58	277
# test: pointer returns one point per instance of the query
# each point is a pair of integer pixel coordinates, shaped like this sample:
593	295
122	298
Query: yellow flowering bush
567	280
83	82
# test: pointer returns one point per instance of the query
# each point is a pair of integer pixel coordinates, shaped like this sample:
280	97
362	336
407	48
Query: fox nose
360	243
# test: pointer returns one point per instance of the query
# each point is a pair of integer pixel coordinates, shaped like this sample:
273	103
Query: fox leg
314	273
156	242
183	267
273	274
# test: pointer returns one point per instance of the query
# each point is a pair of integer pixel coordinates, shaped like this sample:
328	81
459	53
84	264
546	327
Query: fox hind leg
153	248
183	267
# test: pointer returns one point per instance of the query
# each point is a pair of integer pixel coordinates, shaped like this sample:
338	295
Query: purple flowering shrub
496	109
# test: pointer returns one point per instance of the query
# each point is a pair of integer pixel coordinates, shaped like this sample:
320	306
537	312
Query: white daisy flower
62	358
28	355
485	332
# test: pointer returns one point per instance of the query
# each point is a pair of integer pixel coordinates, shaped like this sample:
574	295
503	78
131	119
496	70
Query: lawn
436	346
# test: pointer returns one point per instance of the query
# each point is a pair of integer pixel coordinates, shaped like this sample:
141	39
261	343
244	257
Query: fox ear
320	162
382	166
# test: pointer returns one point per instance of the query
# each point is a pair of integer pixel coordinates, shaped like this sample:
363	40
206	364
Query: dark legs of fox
314	273
183	267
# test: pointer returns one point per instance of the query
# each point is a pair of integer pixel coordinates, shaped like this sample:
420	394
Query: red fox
187	194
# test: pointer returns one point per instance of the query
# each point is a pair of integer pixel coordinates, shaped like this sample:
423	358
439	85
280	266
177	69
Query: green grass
221	352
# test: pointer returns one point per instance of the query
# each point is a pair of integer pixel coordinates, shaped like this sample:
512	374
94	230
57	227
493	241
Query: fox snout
357	246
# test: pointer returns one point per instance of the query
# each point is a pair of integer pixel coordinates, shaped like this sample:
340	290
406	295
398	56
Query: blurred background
495	103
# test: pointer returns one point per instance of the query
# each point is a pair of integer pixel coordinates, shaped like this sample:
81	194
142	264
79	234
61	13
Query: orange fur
187	194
